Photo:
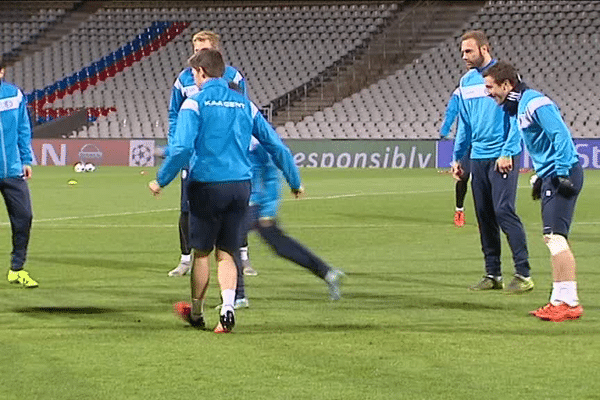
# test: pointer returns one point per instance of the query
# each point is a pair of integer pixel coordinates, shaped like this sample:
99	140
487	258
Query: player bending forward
558	183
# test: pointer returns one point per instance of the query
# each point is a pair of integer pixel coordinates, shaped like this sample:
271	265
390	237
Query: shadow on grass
92	262
65	310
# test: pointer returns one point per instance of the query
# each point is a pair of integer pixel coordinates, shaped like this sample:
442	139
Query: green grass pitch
101	326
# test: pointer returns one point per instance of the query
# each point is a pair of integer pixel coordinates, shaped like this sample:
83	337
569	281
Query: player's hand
504	165
27	171
155	188
456	170
536	187
297	193
564	186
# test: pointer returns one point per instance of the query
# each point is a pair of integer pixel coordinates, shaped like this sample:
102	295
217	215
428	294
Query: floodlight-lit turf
101	326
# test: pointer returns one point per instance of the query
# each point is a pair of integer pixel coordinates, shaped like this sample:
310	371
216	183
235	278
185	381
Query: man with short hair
183	88
15	169
494	177
214	129
558	180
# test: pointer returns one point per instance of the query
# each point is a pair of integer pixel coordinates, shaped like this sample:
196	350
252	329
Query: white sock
186	258
244	253
564	292
228	296
460	209
197	308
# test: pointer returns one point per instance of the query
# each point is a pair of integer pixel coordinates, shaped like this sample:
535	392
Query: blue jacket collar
492	62
214	82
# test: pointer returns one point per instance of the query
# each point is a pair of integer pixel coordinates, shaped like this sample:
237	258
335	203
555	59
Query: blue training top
482	125
451	114
15	132
545	134
185	87
266	181
213	133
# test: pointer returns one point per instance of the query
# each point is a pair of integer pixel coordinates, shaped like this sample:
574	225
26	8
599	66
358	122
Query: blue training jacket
185	87
15	132
266	181
545	134
482	125
451	114
213	134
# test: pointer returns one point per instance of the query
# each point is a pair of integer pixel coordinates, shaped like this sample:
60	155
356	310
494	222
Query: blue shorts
217	213
185	181
557	210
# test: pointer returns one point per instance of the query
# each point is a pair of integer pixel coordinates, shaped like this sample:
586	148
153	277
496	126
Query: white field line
339	196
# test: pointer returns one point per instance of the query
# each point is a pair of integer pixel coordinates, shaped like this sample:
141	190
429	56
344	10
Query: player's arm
182	145
511	147
462	141
175	102
281	155
24	137
451	114
549	119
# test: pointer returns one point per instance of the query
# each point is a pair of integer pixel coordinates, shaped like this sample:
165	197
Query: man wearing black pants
15	169
494	149
262	217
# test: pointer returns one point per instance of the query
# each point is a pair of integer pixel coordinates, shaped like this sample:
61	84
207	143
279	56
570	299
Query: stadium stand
140	93
118	61
553	44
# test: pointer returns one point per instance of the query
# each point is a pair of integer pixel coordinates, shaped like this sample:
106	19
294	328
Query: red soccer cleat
459	219
559	313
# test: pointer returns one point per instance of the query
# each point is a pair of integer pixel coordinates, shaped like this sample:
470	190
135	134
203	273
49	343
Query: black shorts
557	210
185	181
216	214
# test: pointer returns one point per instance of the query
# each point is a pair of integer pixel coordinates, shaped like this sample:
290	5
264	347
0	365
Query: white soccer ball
79	167
89	167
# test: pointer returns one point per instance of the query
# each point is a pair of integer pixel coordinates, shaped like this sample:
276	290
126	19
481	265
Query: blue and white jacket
451	114
266	181
545	134
214	128
15	132
482	125
185	87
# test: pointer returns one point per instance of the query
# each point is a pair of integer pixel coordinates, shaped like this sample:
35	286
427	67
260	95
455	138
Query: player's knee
274	237
556	243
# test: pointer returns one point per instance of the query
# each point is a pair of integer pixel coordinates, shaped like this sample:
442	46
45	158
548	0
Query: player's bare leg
199	283
227	276
564	302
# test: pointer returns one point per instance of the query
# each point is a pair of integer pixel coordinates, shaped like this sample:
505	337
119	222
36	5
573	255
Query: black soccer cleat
226	323
184	311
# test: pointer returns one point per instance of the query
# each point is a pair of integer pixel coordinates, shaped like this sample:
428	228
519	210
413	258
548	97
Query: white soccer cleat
334	280
182	269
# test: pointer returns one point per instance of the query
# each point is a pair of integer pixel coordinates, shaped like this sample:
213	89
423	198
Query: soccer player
213	134
558	182
15	170
183	88
462	183
493	154
262	217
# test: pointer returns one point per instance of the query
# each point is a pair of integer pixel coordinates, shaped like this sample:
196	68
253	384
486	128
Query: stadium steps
71	19
422	25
